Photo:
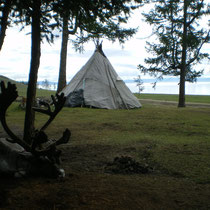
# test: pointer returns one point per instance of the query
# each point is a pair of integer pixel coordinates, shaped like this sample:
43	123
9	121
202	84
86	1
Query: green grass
173	97
175	138
175	141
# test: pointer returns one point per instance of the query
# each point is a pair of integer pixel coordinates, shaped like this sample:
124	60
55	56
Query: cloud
116	52
127	66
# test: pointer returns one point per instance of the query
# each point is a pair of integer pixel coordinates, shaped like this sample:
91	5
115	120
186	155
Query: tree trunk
63	55
182	89
34	66
184	57
4	21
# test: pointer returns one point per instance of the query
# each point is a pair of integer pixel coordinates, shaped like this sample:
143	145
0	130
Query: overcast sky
15	55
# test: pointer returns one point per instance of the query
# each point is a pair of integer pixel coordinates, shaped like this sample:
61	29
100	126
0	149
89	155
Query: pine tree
139	83
180	39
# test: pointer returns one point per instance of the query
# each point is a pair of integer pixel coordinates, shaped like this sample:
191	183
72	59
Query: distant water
198	88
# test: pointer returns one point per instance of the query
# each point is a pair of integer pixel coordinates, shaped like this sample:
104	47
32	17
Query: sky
15	55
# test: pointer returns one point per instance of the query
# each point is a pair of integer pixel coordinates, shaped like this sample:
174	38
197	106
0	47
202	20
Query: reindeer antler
7	96
41	145
58	103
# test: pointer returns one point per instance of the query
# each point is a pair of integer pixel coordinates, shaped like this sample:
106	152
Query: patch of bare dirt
88	186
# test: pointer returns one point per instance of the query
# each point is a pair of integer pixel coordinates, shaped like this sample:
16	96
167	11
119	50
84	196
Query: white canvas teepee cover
102	87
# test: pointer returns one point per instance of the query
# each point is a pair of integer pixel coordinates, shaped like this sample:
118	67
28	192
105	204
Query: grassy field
173	143
176	138
173	97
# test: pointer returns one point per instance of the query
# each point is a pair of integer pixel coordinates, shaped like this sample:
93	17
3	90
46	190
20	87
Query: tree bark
34	66
4	21
63	55
184	56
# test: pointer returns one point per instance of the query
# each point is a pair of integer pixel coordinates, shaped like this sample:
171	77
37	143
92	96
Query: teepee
98	85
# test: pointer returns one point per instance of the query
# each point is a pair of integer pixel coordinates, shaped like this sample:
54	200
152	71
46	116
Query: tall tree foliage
180	39
5	8
97	19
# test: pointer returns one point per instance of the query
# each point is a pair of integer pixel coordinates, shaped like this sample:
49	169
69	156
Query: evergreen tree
181	37
139	83
46	84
